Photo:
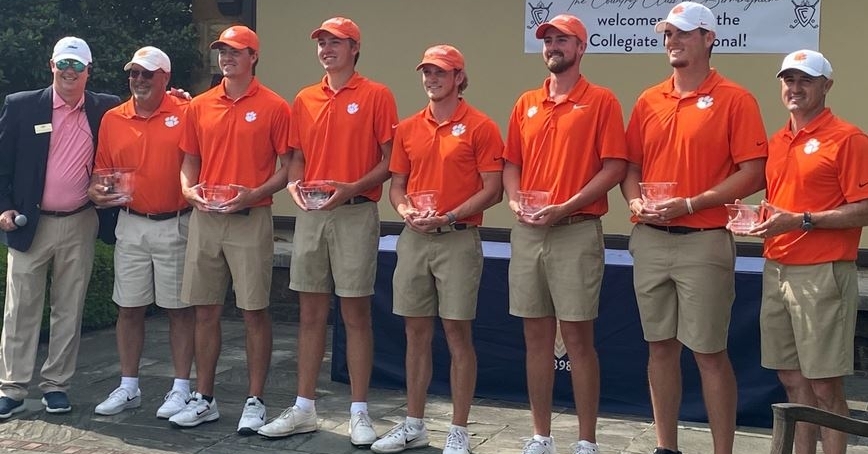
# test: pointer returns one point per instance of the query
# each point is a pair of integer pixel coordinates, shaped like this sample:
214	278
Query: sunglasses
77	66
147	75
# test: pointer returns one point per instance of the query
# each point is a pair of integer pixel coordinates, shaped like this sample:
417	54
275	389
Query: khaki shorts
685	286
336	250
224	246
437	274
808	318
556	271
149	261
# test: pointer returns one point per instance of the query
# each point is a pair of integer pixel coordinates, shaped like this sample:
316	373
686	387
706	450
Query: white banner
627	26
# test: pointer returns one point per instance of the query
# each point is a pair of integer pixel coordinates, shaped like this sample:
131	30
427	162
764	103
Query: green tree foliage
113	29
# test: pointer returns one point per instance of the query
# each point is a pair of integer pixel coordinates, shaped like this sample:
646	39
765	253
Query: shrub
99	309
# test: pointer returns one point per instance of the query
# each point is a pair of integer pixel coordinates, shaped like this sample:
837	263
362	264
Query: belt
159	216
241	212
63	214
575	219
680	230
452	228
357	200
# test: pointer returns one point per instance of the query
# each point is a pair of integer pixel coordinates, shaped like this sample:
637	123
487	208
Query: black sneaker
56	402
659	450
10	406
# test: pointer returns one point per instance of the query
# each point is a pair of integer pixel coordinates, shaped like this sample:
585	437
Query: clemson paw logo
812	146
250	117
171	121
532	111
352	108
705	102
459	129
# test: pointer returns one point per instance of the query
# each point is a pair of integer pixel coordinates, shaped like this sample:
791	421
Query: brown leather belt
681	230
63	214
357	200
575	219
159	216
452	228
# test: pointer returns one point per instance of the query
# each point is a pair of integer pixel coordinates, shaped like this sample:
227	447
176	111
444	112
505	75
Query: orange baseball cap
238	37
341	27
442	56
566	23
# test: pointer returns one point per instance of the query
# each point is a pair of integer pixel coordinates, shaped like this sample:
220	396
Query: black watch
807	225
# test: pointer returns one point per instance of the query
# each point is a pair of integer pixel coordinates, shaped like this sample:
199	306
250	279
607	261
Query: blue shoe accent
10	406
56	402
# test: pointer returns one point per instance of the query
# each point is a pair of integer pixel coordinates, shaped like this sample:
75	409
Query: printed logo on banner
560	352
538	14
805	14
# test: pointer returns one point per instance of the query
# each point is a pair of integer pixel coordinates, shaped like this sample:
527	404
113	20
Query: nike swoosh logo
862	185
130	399
759	144
199	413
579	106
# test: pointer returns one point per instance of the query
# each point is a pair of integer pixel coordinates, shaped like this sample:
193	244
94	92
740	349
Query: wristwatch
807	225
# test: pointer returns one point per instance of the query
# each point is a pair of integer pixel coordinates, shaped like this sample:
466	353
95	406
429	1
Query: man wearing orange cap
143	134
705	133
342	133
454	150
817	190
235	133
567	139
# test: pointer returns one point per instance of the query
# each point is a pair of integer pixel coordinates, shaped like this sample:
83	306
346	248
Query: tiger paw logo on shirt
459	129
812	146
705	102
171	121
532	111
352	108
250	117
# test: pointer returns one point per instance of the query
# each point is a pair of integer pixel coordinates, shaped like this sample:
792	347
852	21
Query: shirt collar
820	120
252	88
354	82
459	113
711	80
575	93
58	102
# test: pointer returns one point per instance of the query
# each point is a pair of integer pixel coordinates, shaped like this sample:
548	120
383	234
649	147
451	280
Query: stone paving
496	427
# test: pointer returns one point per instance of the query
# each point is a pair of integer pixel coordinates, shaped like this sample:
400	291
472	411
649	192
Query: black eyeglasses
147	75
77	66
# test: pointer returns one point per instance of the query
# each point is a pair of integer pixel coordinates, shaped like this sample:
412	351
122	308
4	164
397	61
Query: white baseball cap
809	62
688	16
150	58
74	48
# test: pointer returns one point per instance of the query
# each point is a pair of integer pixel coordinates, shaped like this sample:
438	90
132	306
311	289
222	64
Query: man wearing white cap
817	191
47	143
705	133
143	134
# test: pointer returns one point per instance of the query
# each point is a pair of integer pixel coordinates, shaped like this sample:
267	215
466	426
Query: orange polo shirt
697	141
149	145
447	157
821	167
340	133
238	140
561	146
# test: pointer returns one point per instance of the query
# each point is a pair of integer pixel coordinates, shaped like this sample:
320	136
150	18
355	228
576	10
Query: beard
557	66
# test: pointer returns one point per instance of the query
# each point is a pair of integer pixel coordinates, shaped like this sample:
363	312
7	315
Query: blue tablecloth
618	336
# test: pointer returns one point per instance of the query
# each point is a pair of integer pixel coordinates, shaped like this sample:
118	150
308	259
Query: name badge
42	129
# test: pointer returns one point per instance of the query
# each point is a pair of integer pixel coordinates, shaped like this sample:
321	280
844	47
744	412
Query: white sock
462	429
182	385
415	423
546	440
130	384
304	404
356	407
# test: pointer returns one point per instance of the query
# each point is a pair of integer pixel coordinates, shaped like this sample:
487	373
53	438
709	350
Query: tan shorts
149	261
437	274
556	271
224	246
685	286
336	250
808	318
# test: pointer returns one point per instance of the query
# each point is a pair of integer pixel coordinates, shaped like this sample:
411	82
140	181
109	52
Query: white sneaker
401	437
457	442
534	446
584	447
362	430
197	411
252	417
174	402
291	422
118	401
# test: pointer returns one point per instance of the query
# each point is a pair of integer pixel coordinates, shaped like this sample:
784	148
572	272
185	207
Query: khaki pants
66	244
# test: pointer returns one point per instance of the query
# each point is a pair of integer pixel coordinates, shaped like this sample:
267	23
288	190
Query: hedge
99	309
